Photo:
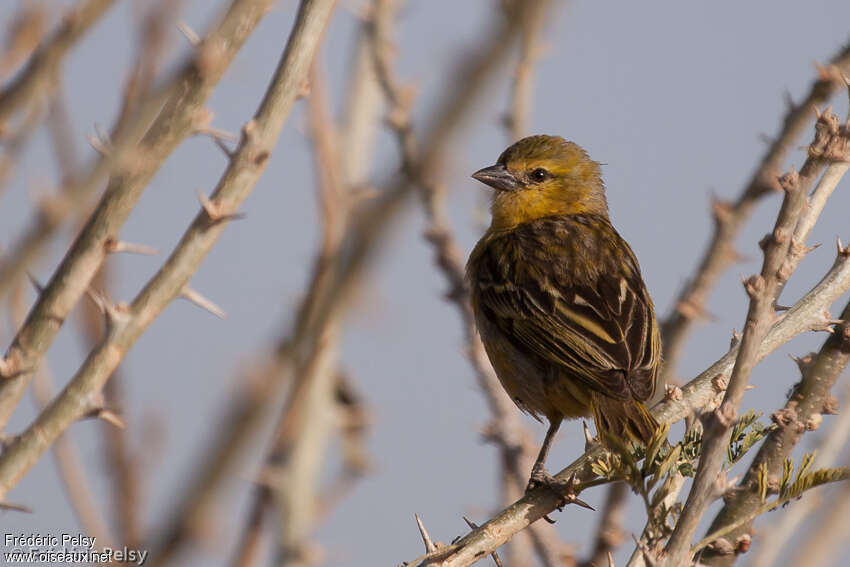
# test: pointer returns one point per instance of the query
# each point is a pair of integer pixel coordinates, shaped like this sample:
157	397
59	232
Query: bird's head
542	176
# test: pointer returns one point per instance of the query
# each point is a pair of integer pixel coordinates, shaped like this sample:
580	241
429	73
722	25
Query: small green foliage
671	460
691	445
627	457
653	448
787	491
787	474
762	477
806	480
746	432
603	467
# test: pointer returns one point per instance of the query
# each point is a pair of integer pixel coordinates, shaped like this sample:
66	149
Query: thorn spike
111	418
115	246
39	288
191	36
202	302
429	543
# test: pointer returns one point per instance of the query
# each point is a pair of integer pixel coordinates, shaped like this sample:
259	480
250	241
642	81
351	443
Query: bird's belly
538	387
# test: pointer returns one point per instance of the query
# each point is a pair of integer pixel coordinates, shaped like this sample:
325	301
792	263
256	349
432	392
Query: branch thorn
190	34
109	417
113	313
588	438
114	246
214	212
100	140
202	302
15	507
429	543
39	287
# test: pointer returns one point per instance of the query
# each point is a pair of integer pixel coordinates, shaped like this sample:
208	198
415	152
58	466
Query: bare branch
730	217
530	47
69	463
777	537
505	430
763	290
429	544
804	409
49	57
174	123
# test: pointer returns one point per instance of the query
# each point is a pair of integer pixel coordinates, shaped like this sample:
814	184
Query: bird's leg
539	476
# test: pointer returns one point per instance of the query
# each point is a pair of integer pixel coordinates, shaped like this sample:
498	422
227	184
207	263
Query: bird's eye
539	174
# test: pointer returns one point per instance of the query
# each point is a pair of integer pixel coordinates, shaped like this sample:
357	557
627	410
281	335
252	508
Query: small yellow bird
558	297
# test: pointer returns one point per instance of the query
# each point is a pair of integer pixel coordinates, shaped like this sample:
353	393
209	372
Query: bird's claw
566	489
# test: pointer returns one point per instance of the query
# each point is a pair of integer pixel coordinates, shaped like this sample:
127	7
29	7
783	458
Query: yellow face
542	176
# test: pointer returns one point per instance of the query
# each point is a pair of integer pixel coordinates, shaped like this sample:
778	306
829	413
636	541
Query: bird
558	298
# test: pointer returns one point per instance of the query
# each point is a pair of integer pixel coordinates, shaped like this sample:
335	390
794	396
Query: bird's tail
627	420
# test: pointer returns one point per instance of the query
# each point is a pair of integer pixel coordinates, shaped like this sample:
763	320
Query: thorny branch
45	62
763	290
69	463
176	120
811	398
729	218
505	428
778	536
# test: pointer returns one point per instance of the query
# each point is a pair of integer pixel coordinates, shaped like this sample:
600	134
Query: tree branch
48	58
810	399
763	290
729	218
178	119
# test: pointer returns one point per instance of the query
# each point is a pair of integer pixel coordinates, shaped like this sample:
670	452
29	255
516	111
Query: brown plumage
558	296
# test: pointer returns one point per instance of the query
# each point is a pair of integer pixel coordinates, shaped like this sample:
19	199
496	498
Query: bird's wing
577	303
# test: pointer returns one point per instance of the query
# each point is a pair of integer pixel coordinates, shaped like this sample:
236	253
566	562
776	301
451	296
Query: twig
295	454
24	32
505	429
530	47
248	549
174	123
124	467
259	391
68	462
49	57
14	143
730	217
298	450
763	290
128	322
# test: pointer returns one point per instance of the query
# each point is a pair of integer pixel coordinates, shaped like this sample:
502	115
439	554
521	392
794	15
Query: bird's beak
498	177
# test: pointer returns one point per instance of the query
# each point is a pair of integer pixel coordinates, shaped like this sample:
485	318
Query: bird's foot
564	488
